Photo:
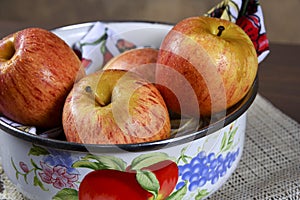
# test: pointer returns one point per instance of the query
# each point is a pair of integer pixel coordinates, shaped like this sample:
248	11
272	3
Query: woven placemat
269	167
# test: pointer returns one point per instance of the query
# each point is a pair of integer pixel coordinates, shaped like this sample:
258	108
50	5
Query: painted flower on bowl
58	176
62	158
54	168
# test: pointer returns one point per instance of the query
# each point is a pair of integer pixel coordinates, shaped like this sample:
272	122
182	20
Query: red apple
102	184
141	61
166	173
111	184
115	107
37	71
215	57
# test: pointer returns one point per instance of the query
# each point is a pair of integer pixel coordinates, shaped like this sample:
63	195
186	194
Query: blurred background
280	17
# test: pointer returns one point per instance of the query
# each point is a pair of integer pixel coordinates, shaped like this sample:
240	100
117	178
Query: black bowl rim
234	114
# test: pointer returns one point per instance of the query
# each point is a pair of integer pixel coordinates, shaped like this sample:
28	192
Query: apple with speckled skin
115	107
215	56
37	71
141	61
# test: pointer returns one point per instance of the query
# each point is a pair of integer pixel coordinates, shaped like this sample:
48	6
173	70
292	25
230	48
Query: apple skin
141	61
132	58
37	71
219	68
115	107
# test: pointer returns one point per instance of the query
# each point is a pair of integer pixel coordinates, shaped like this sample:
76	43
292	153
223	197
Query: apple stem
89	90
221	29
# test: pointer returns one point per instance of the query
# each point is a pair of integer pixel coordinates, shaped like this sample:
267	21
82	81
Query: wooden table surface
279	78
279	73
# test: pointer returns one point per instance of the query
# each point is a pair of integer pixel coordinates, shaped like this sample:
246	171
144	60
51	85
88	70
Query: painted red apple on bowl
156	181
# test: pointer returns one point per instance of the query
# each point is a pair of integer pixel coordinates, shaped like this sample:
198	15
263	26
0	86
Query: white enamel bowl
44	168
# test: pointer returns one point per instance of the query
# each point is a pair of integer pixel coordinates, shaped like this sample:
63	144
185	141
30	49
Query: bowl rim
232	114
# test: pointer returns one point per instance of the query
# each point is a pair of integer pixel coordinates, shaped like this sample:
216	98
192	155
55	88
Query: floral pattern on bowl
201	166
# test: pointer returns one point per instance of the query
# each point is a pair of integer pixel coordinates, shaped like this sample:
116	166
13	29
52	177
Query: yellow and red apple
216	59
115	107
